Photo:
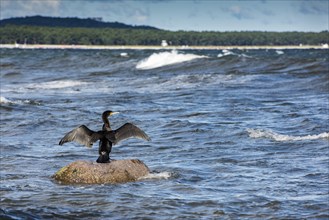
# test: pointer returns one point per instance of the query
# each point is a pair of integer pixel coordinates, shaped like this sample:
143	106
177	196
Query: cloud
239	12
193	13
135	14
114	10
267	12
140	15
314	7
16	8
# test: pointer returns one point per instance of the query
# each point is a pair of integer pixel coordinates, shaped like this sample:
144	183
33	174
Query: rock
117	171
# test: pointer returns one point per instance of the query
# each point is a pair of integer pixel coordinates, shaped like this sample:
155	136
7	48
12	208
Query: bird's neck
106	125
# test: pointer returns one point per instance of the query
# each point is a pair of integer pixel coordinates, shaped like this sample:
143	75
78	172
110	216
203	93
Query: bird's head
107	114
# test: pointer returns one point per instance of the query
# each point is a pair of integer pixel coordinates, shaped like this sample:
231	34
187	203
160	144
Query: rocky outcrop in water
118	171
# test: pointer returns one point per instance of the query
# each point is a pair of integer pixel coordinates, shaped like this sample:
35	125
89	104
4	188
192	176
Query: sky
189	15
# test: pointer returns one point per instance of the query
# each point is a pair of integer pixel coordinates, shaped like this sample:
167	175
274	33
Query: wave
4	100
161	175
225	53
259	133
279	52
124	54
157	60
57	84
63	85
230	53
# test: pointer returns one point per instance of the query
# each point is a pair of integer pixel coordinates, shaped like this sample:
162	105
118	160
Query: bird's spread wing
129	130
82	135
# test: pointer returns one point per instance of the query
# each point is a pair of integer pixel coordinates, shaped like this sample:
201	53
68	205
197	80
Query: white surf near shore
157	47
225	53
259	133
161	175
166	58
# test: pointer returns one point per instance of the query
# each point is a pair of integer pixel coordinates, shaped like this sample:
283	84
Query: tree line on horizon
69	22
22	34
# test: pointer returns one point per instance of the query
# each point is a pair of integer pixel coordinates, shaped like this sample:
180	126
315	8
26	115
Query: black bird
107	137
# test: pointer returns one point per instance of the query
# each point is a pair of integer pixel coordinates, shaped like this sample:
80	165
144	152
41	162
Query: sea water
235	134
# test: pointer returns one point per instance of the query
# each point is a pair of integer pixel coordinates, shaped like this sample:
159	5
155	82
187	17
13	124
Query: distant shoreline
138	47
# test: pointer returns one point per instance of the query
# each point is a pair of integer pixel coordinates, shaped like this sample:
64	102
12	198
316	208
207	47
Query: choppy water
235	134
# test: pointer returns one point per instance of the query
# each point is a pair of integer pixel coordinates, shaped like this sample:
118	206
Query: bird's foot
103	159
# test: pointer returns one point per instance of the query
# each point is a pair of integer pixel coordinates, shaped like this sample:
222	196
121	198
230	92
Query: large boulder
117	171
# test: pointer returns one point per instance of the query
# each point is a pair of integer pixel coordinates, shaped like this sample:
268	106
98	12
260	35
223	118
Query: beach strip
139	47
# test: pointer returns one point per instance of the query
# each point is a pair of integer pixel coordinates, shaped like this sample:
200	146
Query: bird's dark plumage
126	131
107	137
83	135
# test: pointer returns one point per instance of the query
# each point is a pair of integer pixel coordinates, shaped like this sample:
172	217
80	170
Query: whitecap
230	53
259	133
157	60
225	53
57	84
124	54
4	100
279	52
161	175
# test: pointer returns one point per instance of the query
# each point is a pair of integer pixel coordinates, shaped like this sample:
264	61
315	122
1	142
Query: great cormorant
107	137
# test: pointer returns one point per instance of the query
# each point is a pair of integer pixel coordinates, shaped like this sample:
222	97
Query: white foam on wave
182	81
161	175
279	52
157	60
156	84
4	100
230	53
57	84
225	53
124	54
67	86
259	133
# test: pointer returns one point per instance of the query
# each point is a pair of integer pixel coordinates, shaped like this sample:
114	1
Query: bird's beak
114	113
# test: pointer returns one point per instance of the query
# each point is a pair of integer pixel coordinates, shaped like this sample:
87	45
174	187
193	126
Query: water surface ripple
235	134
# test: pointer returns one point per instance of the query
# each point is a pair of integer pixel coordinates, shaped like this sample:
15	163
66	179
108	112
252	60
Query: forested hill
91	31
68	22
